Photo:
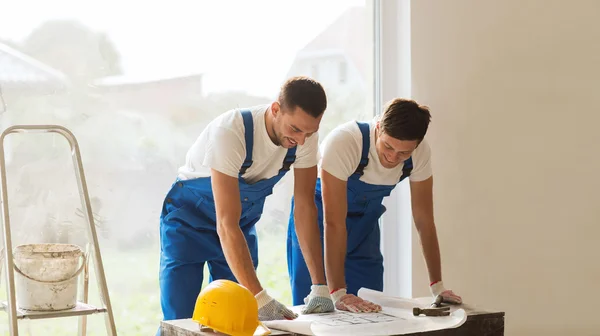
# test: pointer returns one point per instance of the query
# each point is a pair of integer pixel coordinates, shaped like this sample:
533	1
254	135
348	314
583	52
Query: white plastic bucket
46	276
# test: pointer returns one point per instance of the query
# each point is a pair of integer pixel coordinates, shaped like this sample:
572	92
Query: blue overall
364	262
188	233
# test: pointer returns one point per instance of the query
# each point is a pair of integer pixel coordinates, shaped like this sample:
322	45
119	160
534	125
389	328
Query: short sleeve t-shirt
222	146
341	151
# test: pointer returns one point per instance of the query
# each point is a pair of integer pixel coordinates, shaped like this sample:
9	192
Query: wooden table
479	323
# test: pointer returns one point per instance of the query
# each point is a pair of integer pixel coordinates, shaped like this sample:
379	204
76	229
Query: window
137	88
343	72
393	79
314	71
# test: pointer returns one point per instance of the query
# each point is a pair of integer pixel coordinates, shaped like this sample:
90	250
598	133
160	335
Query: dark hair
305	93
405	119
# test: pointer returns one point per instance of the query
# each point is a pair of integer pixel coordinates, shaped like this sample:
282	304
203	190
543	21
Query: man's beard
276	141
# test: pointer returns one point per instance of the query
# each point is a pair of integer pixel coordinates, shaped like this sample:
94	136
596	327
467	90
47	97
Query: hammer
435	309
438	301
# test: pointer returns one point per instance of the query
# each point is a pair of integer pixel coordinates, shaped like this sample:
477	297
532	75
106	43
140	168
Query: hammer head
438	301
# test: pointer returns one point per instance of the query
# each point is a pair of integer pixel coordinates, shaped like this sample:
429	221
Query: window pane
137	87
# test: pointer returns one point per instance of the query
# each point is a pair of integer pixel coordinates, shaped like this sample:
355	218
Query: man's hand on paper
353	303
270	309
437	288
318	301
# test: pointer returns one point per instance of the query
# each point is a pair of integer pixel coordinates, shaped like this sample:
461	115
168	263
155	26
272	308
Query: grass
132	278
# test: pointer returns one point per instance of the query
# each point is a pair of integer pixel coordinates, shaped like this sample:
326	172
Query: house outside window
314	71
343	72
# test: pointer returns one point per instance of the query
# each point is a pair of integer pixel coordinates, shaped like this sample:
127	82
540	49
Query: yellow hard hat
229	308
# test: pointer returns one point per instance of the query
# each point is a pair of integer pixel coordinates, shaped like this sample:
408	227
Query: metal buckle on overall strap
366	142
245	166
287	163
361	166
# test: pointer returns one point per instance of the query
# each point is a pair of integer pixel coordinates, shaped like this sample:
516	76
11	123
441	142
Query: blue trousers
363	265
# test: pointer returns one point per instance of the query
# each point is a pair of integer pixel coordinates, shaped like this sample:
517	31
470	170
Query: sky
239	45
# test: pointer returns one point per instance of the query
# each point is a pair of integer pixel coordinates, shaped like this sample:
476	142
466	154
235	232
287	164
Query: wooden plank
79	310
187	327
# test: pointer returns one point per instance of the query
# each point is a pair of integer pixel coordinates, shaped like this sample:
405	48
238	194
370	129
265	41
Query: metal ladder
82	309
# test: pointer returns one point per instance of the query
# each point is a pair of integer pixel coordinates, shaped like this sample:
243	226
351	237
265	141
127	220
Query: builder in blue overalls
361	164
210	212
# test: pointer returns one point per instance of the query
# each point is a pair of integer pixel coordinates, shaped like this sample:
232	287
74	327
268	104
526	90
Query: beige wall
514	88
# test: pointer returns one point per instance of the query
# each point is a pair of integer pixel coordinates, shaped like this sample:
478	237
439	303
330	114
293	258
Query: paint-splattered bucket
46	276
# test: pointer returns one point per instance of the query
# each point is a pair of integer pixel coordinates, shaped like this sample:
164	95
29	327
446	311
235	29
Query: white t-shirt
341	151
222	146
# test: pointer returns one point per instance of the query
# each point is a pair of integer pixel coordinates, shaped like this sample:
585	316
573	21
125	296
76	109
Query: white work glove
437	288
318	301
352	303
270	309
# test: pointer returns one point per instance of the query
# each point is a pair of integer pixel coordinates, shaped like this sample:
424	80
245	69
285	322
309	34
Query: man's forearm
238	256
431	251
335	255
307	231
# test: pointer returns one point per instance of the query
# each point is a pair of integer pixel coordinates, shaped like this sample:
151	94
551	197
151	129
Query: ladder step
80	309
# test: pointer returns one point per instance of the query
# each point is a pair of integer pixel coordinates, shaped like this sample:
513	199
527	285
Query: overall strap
366	143
290	158
406	168
249	137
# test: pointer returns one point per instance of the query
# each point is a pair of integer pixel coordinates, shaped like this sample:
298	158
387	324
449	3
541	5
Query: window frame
392	78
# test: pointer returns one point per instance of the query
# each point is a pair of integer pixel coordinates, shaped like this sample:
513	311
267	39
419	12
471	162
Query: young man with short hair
210	212
362	162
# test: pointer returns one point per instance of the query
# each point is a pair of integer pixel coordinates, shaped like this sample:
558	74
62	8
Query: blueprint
395	319
347	318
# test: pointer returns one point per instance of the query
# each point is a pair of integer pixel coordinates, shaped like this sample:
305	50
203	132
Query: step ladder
82	309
